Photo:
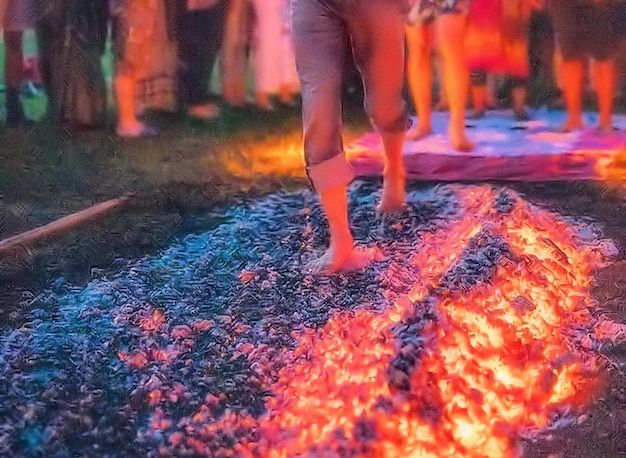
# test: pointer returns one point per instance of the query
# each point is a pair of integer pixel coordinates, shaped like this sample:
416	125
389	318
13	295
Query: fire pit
474	334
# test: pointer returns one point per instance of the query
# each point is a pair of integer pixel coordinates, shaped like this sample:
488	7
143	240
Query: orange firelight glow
495	359
492	368
284	159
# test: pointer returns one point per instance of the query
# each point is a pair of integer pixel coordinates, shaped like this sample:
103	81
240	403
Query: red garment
497	37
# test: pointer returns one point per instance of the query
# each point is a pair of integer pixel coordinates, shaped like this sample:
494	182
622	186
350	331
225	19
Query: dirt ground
181	179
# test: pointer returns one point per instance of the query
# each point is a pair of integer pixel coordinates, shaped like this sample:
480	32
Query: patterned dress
145	50
71	36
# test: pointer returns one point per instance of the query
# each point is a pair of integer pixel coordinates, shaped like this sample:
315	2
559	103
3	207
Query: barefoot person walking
322	30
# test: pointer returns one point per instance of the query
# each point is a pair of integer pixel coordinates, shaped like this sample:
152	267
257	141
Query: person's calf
393	195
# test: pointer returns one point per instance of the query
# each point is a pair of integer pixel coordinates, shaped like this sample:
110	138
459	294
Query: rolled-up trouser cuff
330	173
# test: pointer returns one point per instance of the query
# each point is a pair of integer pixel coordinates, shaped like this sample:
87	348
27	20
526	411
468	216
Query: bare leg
341	254
518	94
233	59
571	80
604	72
490	96
451	35
479	100
442	102
419	74
127	123
393	196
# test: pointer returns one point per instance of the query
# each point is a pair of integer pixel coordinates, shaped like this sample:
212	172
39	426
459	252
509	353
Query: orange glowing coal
486	345
498	361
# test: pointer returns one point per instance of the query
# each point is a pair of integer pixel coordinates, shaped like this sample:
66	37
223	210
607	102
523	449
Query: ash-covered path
207	348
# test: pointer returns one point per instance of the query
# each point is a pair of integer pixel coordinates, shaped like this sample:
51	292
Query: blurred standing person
447	19
274	61
71	37
157	88
234	52
200	33
135	37
497	43
586	30
541	56
18	16
322	32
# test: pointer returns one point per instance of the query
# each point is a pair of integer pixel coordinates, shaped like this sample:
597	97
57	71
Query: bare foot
135	130
606	129
461	143
342	260
205	111
570	125
393	196
420	131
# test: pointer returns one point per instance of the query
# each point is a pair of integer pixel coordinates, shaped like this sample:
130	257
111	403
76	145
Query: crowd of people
165	52
473	37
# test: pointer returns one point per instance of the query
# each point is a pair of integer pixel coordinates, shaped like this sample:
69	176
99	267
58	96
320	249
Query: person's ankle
395	176
341	239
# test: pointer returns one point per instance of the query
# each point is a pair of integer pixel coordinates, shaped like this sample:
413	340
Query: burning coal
475	331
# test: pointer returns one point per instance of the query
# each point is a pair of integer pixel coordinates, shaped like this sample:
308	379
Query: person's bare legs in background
604	74
450	29
586	31
234	53
420	77
450	23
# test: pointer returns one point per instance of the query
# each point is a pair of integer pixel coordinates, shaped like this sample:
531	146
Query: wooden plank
63	224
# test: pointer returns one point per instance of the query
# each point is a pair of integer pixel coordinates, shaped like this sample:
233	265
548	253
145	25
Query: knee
387	116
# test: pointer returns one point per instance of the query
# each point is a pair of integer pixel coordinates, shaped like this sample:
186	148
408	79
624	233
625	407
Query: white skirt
274	61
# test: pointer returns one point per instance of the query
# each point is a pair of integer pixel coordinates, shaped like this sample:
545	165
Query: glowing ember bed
476	334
